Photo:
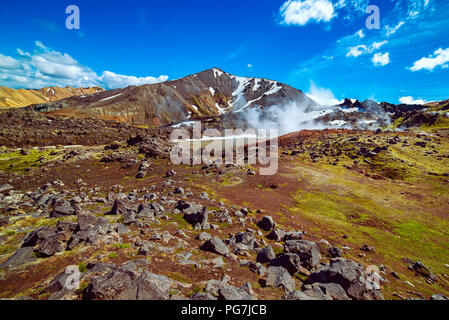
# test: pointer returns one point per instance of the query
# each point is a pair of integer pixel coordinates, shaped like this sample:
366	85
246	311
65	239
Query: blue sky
313	45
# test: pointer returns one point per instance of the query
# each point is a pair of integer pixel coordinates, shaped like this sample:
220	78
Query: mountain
235	102
370	114
14	98
209	93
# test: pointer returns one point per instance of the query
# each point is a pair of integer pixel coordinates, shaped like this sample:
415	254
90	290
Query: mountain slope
209	93
238	101
13	98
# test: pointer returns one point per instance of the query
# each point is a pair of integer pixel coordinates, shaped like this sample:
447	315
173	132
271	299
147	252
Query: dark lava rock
307	251
267	223
279	277
335	252
349	275
215	245
290	261
265	255
119	208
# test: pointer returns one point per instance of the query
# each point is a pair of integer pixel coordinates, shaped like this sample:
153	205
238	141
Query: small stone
335	252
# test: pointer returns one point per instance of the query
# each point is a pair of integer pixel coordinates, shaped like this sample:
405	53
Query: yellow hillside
14	98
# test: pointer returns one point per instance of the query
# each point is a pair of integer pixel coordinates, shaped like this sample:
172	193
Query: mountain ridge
16	98
212	92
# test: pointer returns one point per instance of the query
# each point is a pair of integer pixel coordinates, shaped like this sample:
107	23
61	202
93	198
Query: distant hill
16	98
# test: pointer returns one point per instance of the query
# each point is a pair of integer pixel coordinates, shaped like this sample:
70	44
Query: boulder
86	222
215	245
247	239
38	236
62	208
267	223
332	290
202	296
279	277
231	293
276	235
307	251
204	236
293	235
51	246
145	211
194	214
297	296
349	275
290	261
58	283
265	255
129	217
119	208
148	286
108	286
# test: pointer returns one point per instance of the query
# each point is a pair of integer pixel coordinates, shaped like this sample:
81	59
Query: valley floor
382	199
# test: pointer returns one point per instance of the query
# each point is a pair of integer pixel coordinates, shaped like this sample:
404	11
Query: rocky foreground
137	227
135	224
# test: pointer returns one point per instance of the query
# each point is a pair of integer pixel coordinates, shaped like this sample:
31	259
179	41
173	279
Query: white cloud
357	51
8	62
411	100
112	80
363	49
45	67
323	96
250	65
378	45
381	59
302	12
389	31
360	34
439	58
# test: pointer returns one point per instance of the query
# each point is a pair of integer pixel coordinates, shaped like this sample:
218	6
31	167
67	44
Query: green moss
122	245
182	223
113	255
15	162
7	249
195	289
82	288
82	267
178	277
440	123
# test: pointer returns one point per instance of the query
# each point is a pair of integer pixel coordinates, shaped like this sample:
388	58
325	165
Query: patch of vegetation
178	277
82	267
113	255
7	249
122	245
195	289
16	162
